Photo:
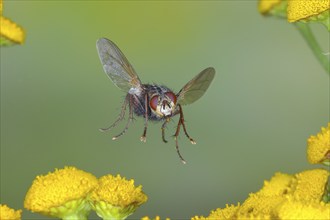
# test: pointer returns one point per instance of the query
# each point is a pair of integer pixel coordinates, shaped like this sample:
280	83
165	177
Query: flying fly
150	101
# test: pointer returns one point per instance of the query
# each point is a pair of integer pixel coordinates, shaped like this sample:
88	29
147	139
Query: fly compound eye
154	102
172	96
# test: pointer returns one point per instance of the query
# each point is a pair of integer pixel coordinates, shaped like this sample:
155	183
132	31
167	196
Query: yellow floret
7	213
63	188
318	149
303	9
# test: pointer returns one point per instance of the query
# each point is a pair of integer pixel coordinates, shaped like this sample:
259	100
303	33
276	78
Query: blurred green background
269	95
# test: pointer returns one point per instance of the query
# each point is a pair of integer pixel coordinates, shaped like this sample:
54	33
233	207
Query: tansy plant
304	195
71	193
10	32
7	213
301	13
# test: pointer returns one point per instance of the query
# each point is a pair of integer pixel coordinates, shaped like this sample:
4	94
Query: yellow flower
302	193
10	31
61	194
302	9
273	7
310	184
296	209
116	197
266	6
7	213
318	150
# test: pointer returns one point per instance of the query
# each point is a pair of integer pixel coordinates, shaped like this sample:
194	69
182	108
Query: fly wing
196	87
116	66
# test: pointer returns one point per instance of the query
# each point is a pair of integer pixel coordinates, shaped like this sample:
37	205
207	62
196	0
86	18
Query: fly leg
143	137
163	129
130	119
177	132
120	117
184	126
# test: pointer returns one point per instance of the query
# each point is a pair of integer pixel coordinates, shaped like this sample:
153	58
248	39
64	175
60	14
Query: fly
150	101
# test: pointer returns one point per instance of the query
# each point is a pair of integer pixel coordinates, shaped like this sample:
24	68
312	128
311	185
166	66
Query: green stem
306	32
75	217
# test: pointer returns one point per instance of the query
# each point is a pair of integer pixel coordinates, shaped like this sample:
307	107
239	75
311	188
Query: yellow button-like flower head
116	197
7	213
309	10
61	194
310	185
266	6
10	32
318	150
273	7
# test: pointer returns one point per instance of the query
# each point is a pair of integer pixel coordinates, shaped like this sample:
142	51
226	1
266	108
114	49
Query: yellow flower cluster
71	193
118	191
273	7
7	213
283	197
266	6
318	150
302	9
116	197
60	193
10	31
